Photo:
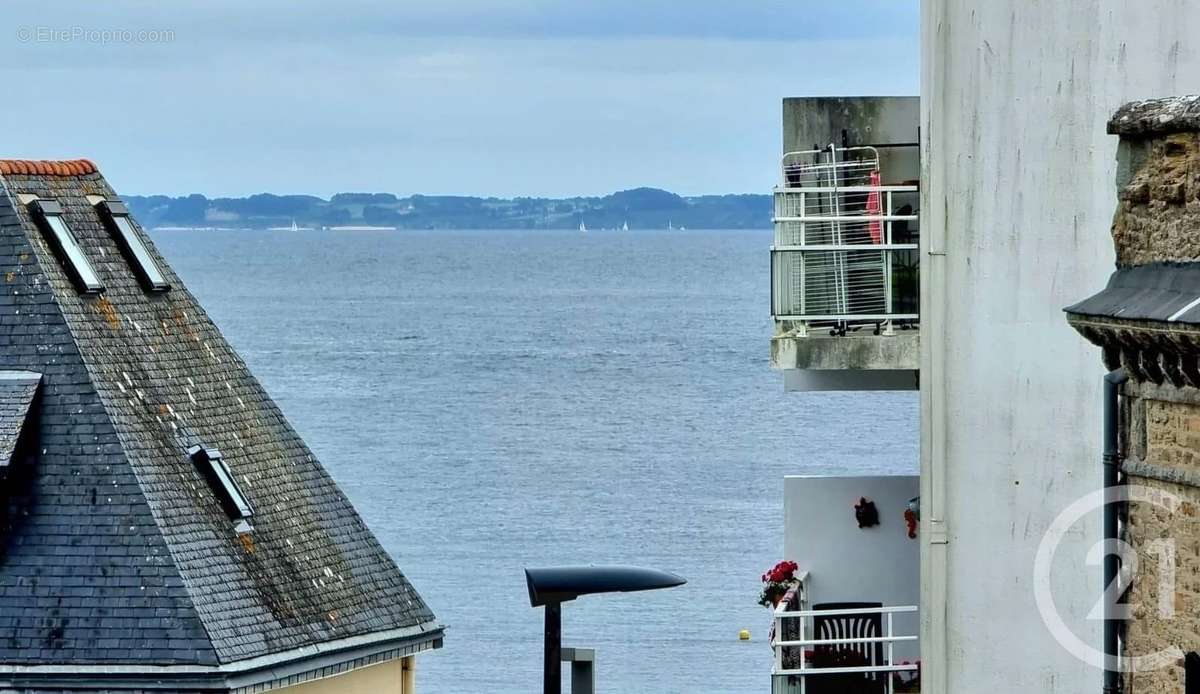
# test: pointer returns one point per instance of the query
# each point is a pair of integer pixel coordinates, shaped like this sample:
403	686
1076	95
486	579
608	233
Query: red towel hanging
874	208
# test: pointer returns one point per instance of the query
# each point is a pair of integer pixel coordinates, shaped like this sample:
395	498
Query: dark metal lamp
552	586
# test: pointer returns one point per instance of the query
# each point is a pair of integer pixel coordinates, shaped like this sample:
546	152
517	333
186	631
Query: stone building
162	526
1147	322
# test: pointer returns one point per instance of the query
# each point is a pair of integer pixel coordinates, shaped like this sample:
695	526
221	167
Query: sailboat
582	227
670	226
293	227
625	226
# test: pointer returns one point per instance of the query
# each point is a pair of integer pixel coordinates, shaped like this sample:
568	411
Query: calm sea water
496	400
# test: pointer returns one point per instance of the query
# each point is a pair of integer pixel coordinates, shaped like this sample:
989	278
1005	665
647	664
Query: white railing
845	250
792	667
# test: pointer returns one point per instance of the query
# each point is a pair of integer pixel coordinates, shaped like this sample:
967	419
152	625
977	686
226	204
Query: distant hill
641	208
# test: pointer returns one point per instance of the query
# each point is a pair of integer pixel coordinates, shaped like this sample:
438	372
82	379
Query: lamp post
552	586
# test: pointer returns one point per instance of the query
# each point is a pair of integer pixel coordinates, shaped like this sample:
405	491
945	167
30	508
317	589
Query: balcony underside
853	362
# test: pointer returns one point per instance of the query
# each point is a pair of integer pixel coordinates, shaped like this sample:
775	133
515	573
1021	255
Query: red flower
776	582
782	572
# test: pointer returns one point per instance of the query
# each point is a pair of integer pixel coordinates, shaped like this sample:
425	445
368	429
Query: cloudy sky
476	97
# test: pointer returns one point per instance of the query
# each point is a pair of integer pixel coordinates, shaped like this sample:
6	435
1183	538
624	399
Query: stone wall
1156	219
1163	456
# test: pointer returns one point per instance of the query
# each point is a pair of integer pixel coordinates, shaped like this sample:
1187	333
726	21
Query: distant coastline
639	208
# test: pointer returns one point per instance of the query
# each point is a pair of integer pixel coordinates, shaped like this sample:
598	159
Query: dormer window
116	216
49	215
220	480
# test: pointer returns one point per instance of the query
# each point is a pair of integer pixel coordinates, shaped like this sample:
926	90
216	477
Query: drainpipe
1112	562
938	171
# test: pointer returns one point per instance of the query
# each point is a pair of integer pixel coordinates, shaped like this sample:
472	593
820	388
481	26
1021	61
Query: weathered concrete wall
857	362
1019	185
876	120
899	351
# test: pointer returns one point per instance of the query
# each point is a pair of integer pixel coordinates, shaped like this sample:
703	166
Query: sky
468	97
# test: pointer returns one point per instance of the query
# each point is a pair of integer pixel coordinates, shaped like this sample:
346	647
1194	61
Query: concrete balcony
844	273
854	362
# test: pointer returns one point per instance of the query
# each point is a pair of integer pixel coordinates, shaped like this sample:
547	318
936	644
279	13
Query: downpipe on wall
1112	562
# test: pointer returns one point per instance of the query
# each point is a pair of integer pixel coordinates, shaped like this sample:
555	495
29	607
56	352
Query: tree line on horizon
640	208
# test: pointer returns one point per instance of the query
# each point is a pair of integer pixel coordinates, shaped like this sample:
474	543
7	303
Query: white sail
625	226
583	227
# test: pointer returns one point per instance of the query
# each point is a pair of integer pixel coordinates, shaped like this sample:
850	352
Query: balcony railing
798	648
845	254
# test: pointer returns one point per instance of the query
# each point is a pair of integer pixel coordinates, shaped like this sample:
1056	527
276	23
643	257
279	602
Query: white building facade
1017	197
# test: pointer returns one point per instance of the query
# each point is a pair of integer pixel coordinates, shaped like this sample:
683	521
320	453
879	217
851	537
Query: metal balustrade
793	668
845	253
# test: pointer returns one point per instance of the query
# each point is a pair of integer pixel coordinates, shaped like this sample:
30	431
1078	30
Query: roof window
119	223
50	217
221	480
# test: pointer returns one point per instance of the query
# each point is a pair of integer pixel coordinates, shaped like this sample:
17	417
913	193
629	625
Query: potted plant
776	583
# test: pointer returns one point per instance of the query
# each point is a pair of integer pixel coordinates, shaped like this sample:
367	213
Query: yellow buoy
744	635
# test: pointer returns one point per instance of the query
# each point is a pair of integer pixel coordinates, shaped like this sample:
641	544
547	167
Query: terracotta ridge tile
67	167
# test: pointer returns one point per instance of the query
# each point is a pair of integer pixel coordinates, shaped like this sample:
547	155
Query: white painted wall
1019	193
846	563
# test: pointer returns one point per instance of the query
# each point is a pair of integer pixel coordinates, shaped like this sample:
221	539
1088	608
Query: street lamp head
557	584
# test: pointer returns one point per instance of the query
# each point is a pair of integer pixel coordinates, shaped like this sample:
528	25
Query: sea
495	400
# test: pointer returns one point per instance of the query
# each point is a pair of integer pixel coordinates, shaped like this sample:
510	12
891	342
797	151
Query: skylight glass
135	250
78	267
221	480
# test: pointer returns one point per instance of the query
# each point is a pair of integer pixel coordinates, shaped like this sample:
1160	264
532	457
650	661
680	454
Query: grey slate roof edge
1157	117
256	672
1166	292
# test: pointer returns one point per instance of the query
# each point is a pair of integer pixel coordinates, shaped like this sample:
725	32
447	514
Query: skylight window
50	214
119	223
221	480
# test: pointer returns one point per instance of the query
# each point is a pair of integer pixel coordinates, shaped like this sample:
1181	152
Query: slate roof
1167	292
120	553
1154	117
17	390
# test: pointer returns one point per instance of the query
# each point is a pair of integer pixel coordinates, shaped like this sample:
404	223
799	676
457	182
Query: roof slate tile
113	504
